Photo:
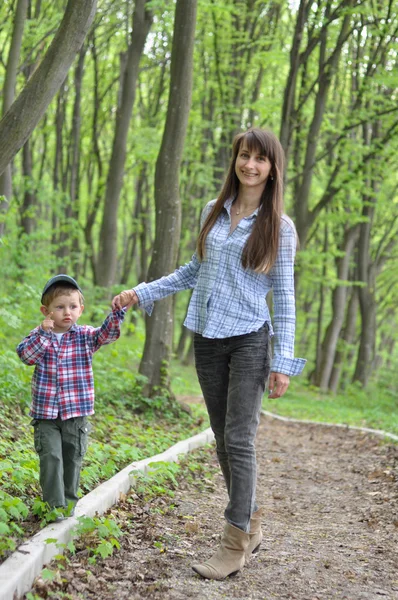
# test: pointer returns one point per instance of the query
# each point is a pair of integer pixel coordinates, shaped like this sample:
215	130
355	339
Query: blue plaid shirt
229	300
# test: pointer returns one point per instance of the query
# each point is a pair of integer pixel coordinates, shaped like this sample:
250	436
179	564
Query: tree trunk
8	98
321	306
59	181
22	117
28	218
184	335
72	213
339	299
159	327
146	241
92	209
107	256
366	351
189	358
139	217
303	216
290	89
30	209
367	272
342	356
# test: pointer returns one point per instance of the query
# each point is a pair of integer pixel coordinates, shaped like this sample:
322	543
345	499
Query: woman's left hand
278	384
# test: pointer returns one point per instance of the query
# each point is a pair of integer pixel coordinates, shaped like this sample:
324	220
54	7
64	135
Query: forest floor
330	498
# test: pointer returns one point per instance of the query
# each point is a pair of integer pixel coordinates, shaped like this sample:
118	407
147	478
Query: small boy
63	385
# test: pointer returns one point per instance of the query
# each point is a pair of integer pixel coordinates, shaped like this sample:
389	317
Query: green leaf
104	549
48	575
4	529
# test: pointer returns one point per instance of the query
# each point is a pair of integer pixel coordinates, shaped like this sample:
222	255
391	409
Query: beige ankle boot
229	558
256	535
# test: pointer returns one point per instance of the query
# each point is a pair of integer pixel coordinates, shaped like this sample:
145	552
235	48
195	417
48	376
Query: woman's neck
248	198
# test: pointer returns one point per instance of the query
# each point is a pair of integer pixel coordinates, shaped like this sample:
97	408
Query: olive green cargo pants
61	446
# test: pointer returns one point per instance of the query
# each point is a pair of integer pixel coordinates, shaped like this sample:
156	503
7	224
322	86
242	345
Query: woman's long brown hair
260	251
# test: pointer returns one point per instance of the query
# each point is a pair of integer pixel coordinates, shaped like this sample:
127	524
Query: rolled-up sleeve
284	320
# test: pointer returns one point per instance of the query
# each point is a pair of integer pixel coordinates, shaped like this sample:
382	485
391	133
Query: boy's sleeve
108	332
32	349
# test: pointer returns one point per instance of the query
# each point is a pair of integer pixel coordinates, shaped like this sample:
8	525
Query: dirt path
330	528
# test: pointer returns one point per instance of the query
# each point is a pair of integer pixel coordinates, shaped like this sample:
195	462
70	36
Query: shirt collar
72	329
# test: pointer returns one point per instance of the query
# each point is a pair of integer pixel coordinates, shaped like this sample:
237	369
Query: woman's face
251	168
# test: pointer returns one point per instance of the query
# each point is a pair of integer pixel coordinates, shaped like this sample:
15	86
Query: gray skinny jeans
232	373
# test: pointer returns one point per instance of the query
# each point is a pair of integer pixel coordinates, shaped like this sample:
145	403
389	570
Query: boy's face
65	309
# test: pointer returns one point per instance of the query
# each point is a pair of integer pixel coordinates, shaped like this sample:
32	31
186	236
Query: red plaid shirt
63	381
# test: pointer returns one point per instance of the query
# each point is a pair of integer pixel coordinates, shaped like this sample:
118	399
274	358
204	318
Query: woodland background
107	158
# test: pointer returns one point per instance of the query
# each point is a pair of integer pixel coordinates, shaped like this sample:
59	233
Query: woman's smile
252	168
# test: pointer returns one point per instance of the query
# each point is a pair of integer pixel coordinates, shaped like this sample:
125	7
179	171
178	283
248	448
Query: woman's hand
278	384
125	299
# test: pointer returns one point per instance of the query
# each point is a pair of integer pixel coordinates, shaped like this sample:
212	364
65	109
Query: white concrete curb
19	570
378	432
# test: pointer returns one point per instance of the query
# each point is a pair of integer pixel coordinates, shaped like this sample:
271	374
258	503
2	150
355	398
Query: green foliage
159	480
99	535
47	514
12	510
127	427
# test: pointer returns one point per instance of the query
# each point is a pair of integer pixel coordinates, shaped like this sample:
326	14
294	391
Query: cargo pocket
84	431
37	435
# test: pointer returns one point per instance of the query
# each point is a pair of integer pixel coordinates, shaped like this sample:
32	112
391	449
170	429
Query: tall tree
24	114
8	96
159	327
327	66
107	256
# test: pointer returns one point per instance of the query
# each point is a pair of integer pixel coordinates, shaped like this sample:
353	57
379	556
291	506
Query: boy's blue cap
60	279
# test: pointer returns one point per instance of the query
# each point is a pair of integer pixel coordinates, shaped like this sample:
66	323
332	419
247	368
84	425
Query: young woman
246	248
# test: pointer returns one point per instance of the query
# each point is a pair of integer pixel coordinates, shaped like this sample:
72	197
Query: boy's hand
125	299
48	323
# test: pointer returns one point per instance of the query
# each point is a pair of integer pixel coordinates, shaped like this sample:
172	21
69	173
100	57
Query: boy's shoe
59	519
63	517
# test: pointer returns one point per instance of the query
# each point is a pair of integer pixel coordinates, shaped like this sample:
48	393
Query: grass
374	407
184	381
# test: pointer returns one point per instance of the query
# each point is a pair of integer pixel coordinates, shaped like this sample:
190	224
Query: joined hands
125	299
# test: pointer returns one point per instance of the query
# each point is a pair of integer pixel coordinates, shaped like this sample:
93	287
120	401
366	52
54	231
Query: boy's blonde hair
62	289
